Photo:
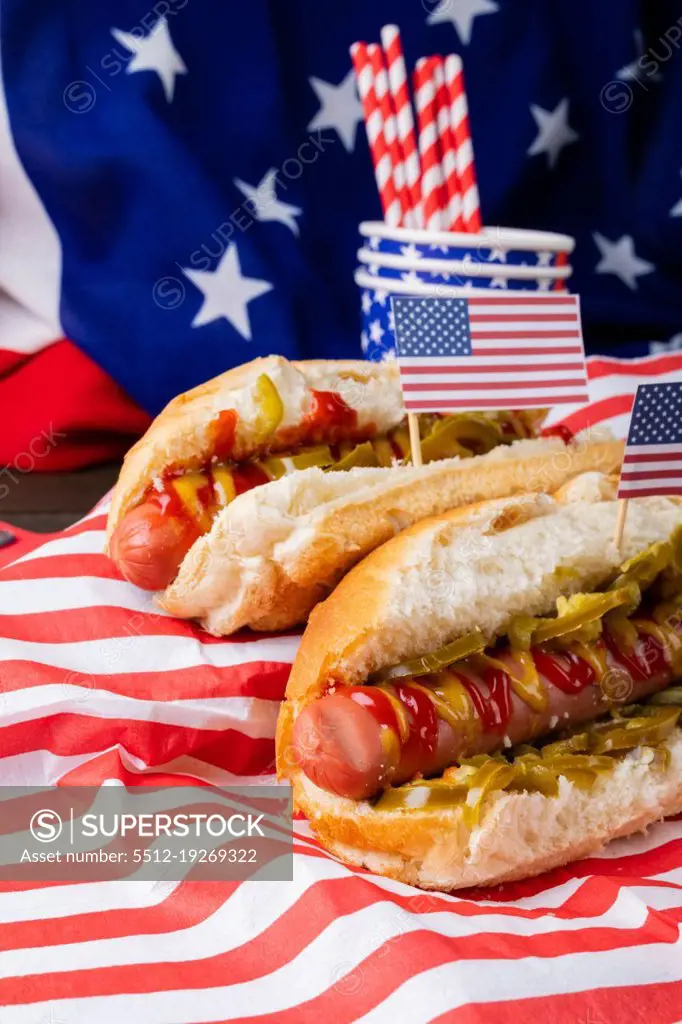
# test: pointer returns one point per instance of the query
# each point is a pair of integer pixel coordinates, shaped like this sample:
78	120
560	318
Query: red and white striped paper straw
432	178
383	169
376	58
459	121
407	139
452	204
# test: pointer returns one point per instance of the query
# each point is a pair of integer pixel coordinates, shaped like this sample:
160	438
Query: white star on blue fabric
634	71
154	52
411	252
264	202
376	332
340	108
226	292
554	131
461	14
620	258
381	296
366	302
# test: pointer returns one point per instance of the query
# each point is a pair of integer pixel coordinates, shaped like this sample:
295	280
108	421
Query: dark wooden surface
47	502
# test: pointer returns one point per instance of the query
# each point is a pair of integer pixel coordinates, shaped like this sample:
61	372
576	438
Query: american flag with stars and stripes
493	352
97	684
653	457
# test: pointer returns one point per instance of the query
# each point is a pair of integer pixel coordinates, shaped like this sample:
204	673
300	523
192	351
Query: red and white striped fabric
96	684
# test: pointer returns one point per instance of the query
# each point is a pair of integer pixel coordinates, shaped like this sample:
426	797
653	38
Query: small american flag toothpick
652	463
490	352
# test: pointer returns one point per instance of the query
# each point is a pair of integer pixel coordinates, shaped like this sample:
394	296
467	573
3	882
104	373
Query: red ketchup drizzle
376	702
565	433
329	412
206	494
647	659
167	499
225	427
248	475
417	750
568	672
494	708
421	743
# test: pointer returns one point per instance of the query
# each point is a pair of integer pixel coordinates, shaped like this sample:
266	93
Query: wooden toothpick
415	440
620	522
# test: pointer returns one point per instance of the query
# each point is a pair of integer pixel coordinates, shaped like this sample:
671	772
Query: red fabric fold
60	410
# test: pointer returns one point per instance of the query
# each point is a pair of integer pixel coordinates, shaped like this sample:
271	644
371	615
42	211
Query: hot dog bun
276	551
438	580
520	834
181	435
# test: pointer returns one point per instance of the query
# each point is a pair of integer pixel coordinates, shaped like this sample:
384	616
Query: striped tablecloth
97	684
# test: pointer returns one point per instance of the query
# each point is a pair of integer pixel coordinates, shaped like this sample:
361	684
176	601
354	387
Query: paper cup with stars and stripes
497	246
407	261
378	337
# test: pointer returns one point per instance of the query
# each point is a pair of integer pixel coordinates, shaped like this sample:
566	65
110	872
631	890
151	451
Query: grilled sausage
350	743
149	544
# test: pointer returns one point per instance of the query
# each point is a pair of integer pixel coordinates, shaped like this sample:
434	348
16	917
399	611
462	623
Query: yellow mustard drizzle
666	635
580	756
452	702
400	710
526	684
595	656
224	481
390	745
187	488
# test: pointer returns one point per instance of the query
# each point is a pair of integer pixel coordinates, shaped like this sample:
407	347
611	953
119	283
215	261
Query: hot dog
536	680
363	739
250	464
282	418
